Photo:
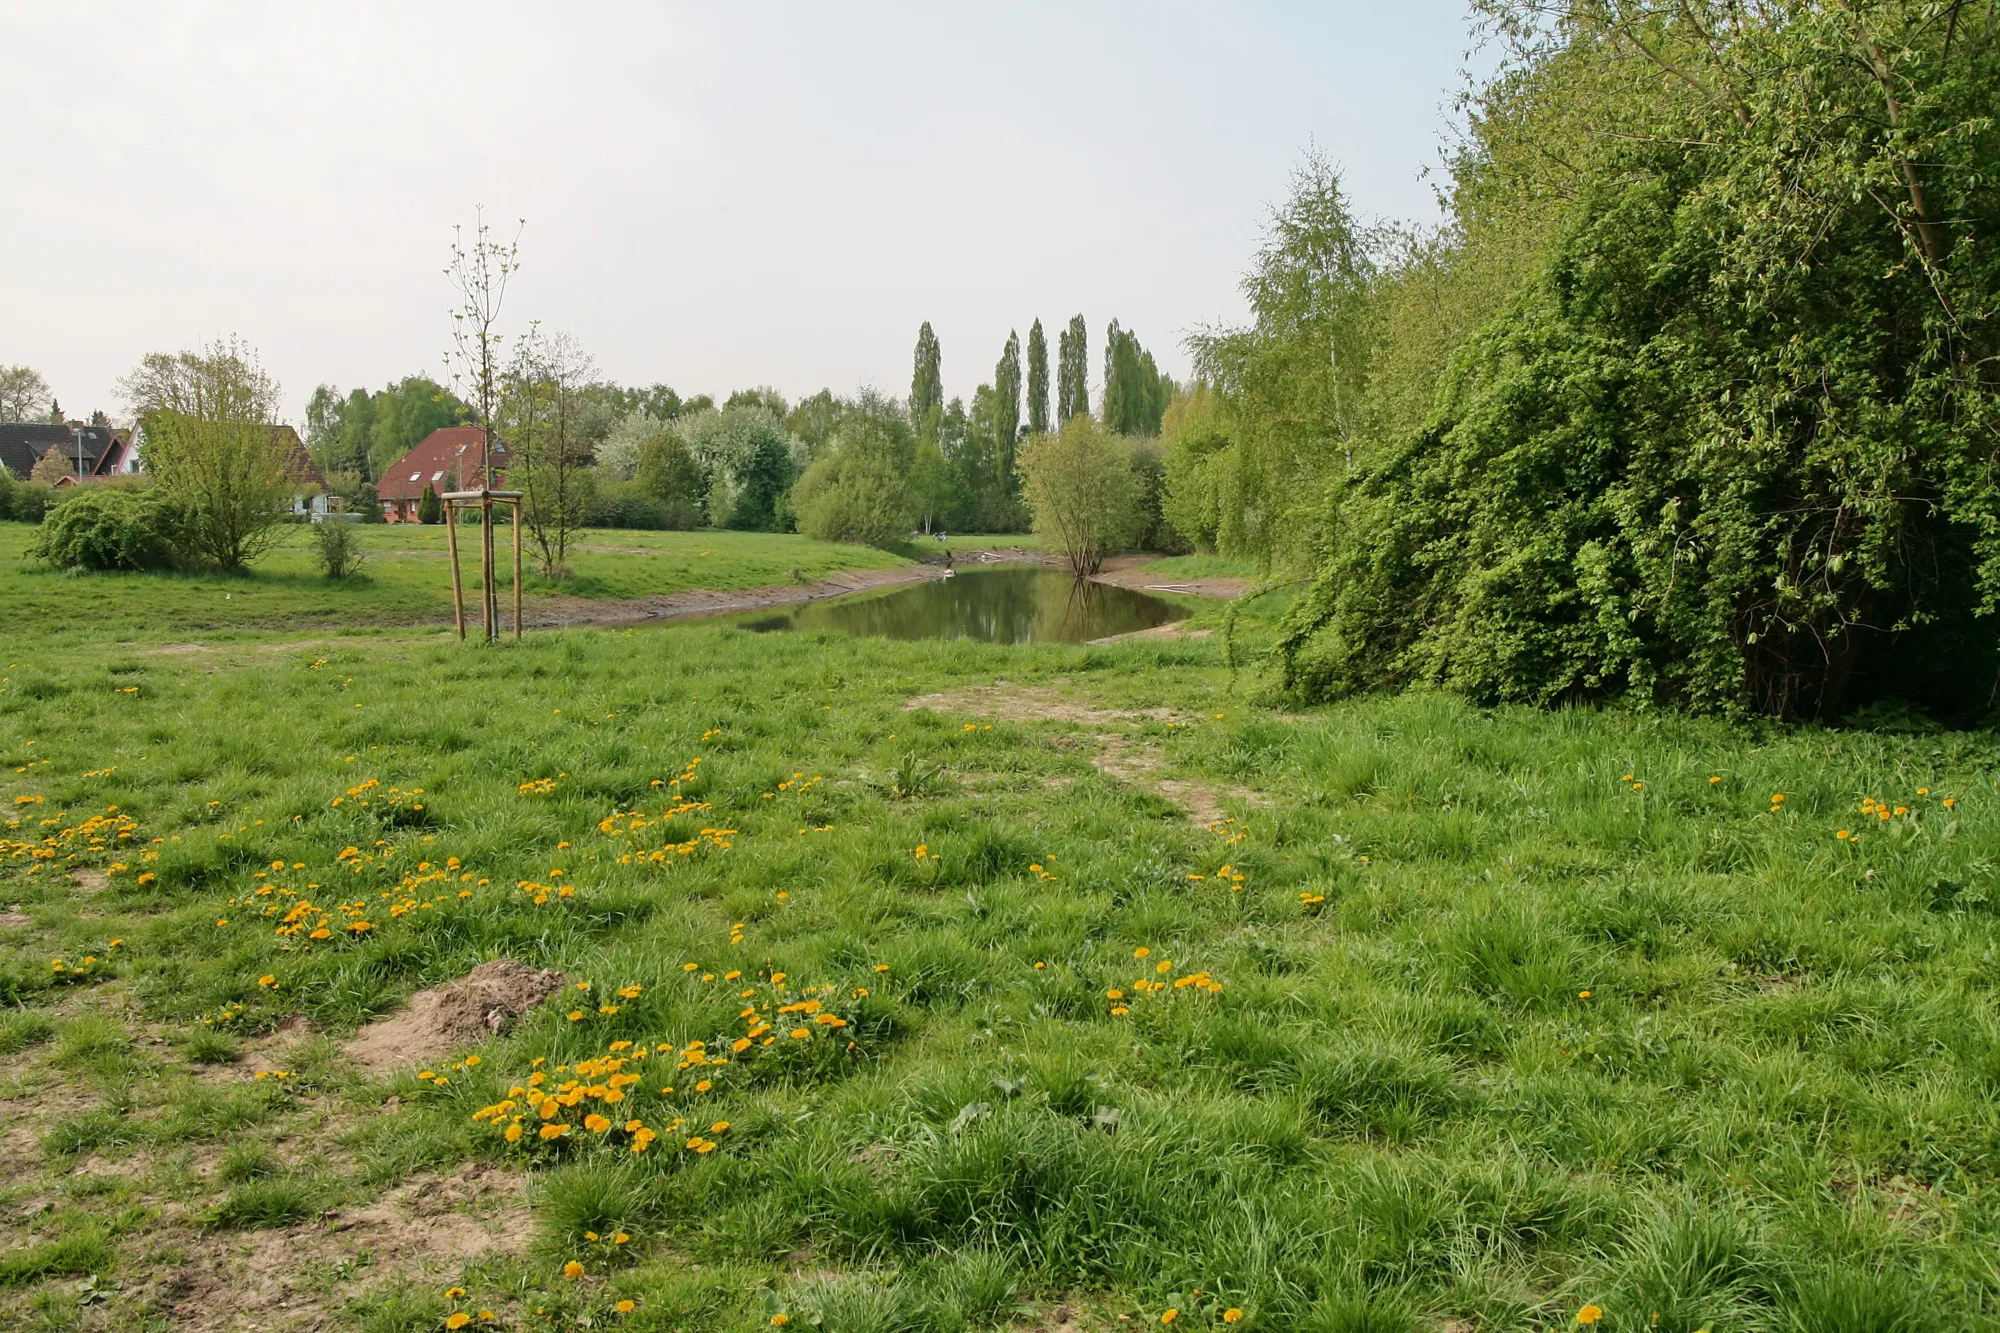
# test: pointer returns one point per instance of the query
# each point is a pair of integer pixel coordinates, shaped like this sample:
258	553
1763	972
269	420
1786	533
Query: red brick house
451	458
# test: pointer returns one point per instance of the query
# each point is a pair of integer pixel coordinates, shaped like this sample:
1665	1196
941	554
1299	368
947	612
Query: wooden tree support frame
489	592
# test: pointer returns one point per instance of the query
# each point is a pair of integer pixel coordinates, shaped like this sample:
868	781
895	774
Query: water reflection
1011	604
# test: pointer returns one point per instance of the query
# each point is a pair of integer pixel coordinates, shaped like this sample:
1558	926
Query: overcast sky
716	196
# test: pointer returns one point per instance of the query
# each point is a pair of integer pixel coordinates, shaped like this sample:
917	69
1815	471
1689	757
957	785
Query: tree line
1692	401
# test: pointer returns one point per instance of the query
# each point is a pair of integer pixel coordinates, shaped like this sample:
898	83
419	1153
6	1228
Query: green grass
83	1253
406	580
1518	1010
1205	567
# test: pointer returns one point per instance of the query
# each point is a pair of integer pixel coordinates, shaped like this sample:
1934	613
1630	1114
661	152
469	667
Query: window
416	476
438	475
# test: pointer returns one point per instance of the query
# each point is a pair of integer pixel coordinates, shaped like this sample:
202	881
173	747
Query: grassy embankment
406	580
1499	1014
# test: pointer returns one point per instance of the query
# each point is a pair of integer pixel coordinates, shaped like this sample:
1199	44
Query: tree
53	466
23	393
1295	379
617	454
1198	479
543	408
1072	370
212	451
480	273
1038	380
1135	392
814	420
669	475
860	489
1081	490
763	396
927	379
1725	438
1007	409
746	459
430	509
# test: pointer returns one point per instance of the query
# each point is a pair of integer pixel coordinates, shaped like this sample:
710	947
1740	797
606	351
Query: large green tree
1293	381
1038	380
861	489
1135	392
213	451
1730	439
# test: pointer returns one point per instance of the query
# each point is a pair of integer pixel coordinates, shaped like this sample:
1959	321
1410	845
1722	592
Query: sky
716	196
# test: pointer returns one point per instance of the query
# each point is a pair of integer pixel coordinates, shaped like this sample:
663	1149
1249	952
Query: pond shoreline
1123	571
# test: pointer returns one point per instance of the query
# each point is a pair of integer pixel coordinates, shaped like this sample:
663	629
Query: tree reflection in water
1011	604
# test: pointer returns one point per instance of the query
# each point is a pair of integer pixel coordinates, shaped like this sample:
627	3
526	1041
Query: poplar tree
1038	380
927	380
1073	370
1007	406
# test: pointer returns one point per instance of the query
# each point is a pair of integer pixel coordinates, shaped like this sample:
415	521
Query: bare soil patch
428	1229
1119	754
442	1019
1033	703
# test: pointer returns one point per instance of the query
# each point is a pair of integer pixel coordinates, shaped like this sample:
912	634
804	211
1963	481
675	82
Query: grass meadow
405	580
919	1021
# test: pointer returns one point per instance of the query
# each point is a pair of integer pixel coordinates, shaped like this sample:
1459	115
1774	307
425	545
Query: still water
1009	604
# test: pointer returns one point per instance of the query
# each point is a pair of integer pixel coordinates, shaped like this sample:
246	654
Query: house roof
23	443
448	459
300	463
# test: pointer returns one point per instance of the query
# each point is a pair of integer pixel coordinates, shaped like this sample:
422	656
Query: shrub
108	527
337	548
1081	487
669	474
860	490
430	509
627	504
28	501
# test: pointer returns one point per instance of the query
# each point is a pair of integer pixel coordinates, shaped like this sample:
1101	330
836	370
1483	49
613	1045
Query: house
94	451
309	495
451	458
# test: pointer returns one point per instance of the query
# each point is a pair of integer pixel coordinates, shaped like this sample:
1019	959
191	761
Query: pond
1006	604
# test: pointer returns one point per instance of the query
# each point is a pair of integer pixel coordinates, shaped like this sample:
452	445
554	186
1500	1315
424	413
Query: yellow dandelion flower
457	1319
1232	1315
572	1269
1590	1314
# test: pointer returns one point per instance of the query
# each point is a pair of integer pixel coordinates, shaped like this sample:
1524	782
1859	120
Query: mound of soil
444	1018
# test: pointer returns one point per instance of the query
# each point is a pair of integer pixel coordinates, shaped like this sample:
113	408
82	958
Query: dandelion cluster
795	786
370	794
639	1093
86	842
540	786
1157	983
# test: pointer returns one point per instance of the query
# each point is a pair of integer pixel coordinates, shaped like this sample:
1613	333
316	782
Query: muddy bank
560	612
1120	571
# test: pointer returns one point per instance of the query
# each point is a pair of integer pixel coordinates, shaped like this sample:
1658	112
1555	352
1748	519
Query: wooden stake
490	604
517	569
457	589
